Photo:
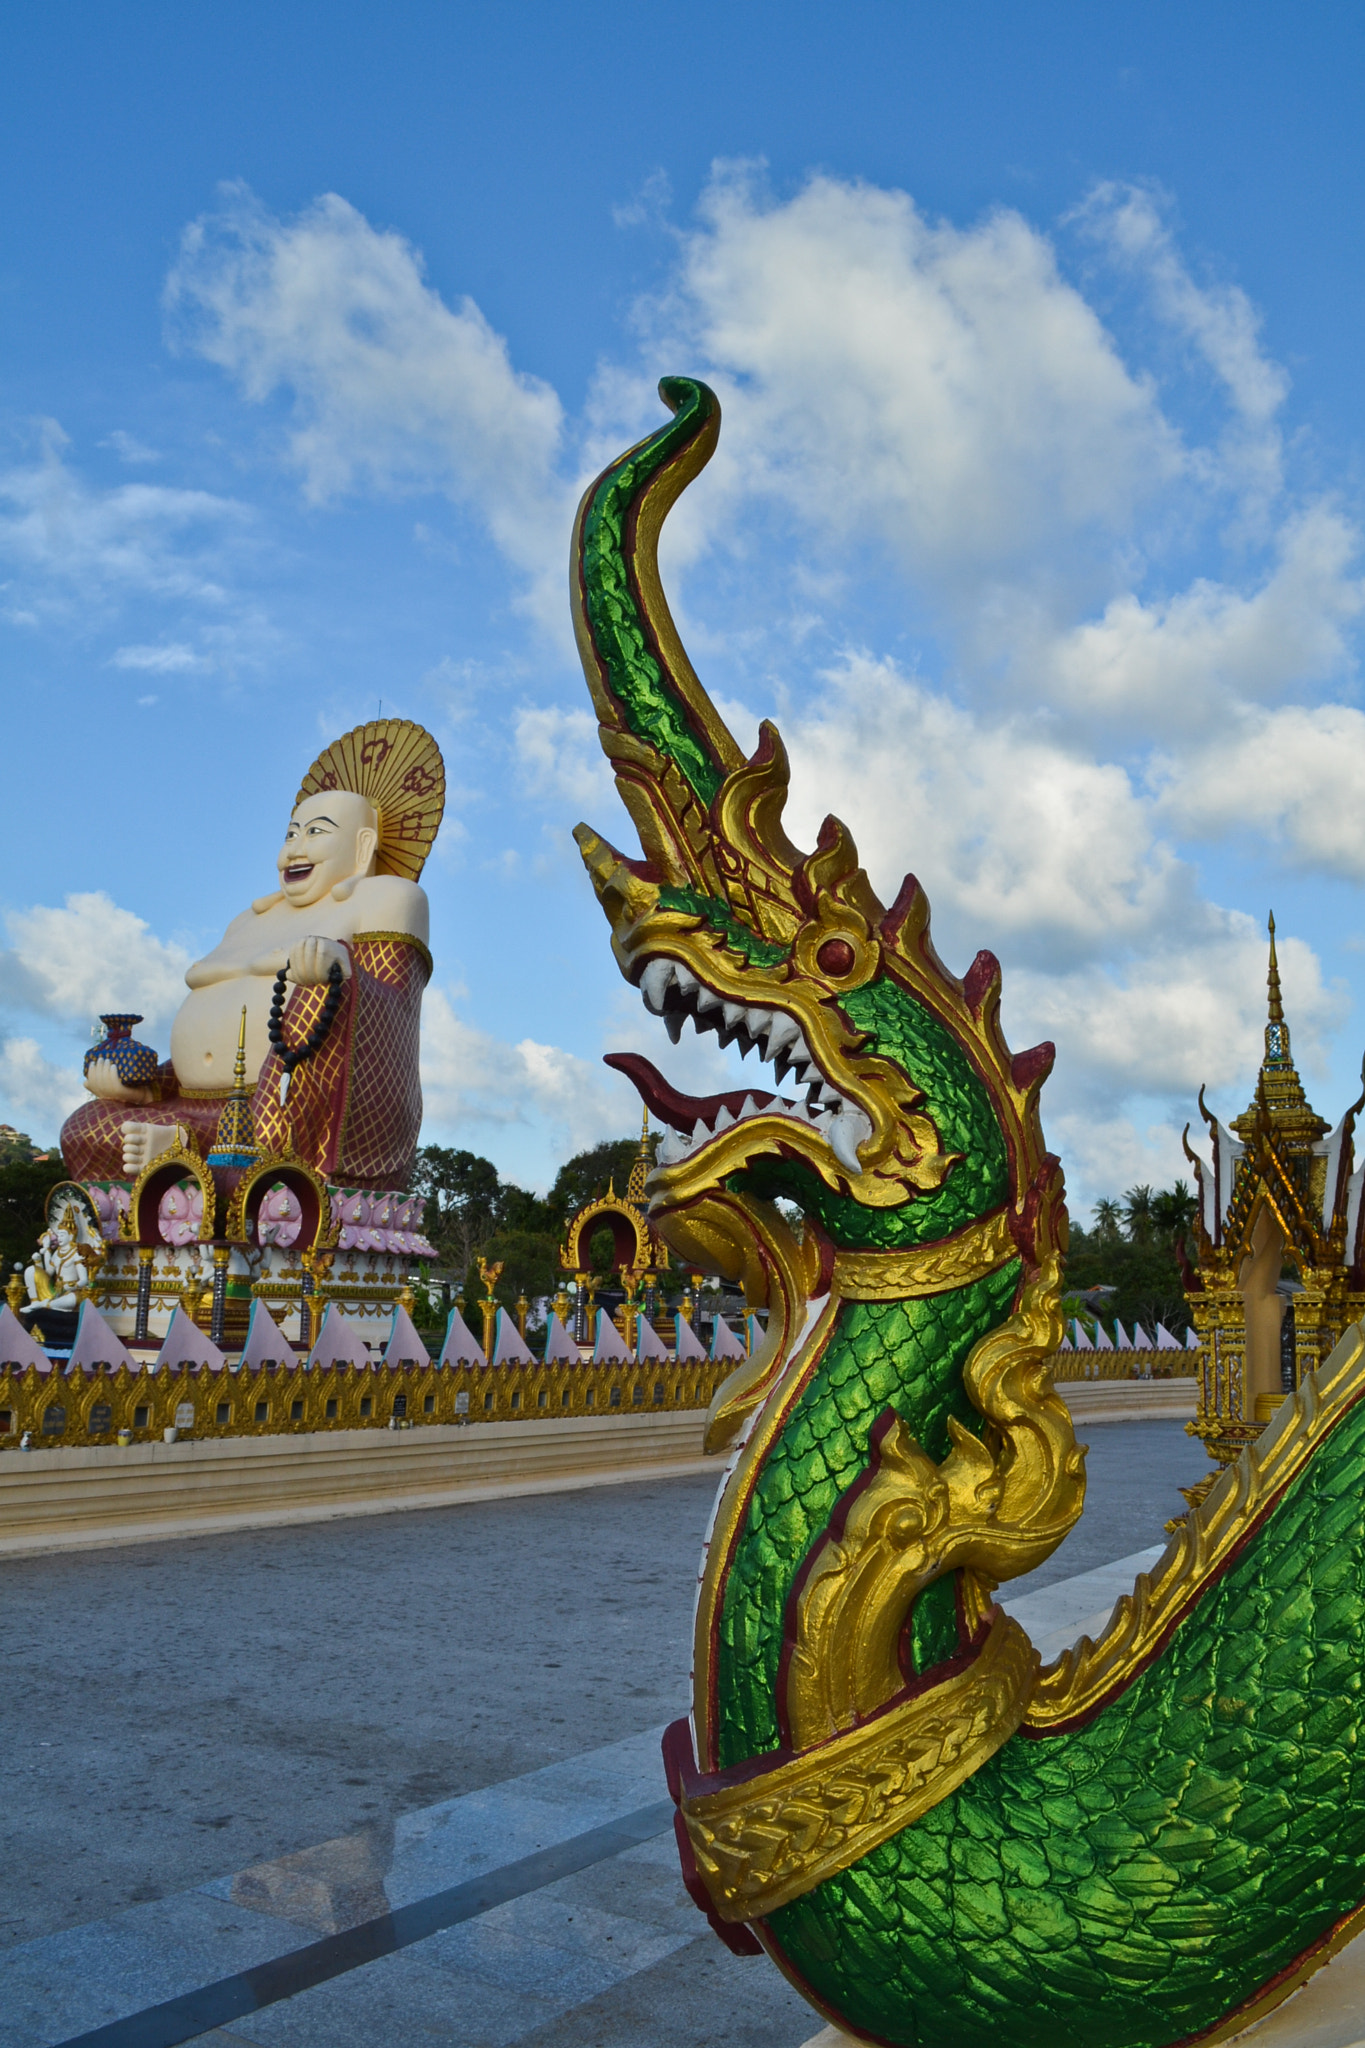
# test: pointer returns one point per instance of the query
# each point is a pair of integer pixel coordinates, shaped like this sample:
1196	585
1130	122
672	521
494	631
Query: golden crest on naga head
397	767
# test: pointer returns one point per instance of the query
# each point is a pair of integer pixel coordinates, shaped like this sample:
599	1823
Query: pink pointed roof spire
185	1344
97	1345
18	1350
405	1347
266	1343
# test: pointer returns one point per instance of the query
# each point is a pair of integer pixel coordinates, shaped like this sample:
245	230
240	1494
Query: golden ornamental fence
1124	1365
58	1409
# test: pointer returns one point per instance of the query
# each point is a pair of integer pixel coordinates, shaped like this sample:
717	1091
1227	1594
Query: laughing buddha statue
348	927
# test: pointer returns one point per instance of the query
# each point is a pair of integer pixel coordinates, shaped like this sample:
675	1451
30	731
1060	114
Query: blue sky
1036	521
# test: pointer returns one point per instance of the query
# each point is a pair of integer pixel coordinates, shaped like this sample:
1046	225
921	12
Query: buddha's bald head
333	837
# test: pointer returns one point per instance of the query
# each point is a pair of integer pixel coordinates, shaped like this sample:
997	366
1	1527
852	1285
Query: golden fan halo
397	765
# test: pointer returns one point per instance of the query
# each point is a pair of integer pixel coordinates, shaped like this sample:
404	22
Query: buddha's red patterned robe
355	1108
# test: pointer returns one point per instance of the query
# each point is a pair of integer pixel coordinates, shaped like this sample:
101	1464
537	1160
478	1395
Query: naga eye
835	957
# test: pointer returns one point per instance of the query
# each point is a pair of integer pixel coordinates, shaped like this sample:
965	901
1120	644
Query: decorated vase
135	1064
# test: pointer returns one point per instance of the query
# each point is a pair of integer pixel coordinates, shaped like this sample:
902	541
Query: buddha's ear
366	848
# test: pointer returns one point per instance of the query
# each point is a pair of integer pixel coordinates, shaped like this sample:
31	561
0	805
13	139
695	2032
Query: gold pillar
523	1310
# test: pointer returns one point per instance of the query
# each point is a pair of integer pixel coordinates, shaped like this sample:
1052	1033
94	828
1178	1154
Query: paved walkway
292	1695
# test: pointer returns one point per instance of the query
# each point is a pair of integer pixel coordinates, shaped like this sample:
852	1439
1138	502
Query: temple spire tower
1279	1097
1280	1270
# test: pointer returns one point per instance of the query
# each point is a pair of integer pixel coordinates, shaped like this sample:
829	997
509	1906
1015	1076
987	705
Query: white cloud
35	1091
1219	319
70	537
91	956
1295	777
129	448
1187	1012
1105	1155
559	756
470	1078
165	660
1020	841
1181	662
942	389
391	387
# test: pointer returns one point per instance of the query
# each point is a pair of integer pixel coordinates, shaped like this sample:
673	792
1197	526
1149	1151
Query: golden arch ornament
178	1162
319	1230
634	1243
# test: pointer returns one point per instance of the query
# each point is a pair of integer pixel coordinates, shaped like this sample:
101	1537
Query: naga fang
1154	1839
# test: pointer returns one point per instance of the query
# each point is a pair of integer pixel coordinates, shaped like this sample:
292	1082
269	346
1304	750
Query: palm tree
1174	1211
1138	1215
1108	1220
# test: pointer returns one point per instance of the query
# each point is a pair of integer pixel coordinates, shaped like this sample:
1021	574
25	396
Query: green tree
462	1202
1174	1211
471	1211
1138	1262
24	1188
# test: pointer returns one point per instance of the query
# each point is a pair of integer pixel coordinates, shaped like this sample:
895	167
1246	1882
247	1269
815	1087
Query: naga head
893	1116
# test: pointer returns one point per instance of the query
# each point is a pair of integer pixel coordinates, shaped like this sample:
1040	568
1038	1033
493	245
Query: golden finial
1273	979
1276	1030
239	1067
639	1172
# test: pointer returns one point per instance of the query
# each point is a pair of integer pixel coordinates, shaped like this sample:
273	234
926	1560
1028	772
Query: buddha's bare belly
204	1034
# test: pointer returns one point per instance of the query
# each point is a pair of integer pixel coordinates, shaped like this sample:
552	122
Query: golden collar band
772	1838
922	1269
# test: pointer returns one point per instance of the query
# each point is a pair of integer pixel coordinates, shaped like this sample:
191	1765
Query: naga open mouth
671	991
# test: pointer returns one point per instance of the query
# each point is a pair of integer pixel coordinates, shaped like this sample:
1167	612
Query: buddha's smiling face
332	836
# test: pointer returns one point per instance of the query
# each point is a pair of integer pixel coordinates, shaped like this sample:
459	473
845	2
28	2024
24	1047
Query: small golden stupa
1277	1236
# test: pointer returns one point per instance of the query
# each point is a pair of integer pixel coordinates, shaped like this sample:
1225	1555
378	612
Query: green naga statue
1152	1840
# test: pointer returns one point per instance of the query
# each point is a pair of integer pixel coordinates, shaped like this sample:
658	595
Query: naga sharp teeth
654	984
723	1120
785	1031
748	1108
733	1014
843	1144
848	1130
757	1022
672	1146
673	1024
706	998
684	977
700	1132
